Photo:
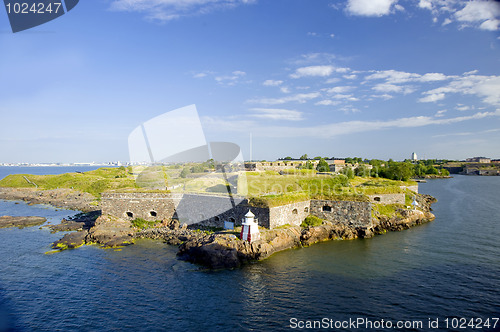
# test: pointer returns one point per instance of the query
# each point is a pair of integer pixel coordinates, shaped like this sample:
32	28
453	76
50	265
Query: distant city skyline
354	78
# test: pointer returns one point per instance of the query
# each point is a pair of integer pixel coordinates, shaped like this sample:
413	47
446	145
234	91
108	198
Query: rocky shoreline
60	198
214	250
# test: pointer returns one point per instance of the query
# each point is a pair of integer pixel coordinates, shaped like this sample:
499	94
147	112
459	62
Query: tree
288	158
309	165
185	171
362	171
304	157
323	166
349	160
400	171
347	171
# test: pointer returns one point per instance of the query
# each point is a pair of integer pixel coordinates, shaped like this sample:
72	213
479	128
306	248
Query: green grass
94	182
143	224
277	200
388	210
311	221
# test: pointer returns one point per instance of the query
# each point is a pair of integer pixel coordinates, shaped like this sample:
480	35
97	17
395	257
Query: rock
21	222
78	222
111	231
70	241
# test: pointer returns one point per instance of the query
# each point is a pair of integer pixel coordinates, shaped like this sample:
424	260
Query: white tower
249	228
414	156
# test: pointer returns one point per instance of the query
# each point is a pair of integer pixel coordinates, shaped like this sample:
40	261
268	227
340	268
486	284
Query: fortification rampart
388	199
212	210
357	214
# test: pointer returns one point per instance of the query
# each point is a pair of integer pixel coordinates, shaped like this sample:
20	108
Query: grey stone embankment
61	198
20	222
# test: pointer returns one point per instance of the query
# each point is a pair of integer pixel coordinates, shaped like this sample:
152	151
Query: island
206	209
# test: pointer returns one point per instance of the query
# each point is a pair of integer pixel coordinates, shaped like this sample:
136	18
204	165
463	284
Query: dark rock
70	241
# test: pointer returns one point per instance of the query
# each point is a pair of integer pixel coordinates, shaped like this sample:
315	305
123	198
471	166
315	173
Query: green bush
143	224
311	221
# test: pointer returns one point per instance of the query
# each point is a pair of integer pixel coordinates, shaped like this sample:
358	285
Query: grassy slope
93	182
272	189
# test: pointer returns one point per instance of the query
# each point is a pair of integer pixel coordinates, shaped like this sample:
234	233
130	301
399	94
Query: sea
440	276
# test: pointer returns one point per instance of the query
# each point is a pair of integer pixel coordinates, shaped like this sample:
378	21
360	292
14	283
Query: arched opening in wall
153	213
129	214
327	208
232	219
376	199
306	209
294	211
216	219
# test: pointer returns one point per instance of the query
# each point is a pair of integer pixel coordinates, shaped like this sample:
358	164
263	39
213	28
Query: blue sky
367	78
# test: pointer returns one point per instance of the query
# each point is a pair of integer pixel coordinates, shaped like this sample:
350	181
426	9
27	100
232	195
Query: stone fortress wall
214	210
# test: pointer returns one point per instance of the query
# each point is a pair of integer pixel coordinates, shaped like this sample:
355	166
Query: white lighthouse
414	156
249	228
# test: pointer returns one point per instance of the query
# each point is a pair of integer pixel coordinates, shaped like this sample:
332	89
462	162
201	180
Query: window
294	211
129	214
232	219
216	218
376	199
306	209
153	213
327	208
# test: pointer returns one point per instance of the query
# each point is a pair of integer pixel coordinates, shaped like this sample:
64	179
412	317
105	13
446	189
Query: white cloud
385	96
462	108
285	89
478	11
345	97
166	10
370	7
299	98
333	80
432	98
332	35
327	102
487	87
230	79
387	87
276	114
338	89
440	113
396	77
426	4
350	77
272	83
482	14
320	71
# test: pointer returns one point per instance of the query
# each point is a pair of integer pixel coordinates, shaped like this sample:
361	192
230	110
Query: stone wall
292	214
388	198
211	210
357	214
148	206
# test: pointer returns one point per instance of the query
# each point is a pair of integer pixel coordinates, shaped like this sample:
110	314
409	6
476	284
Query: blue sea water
449	268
